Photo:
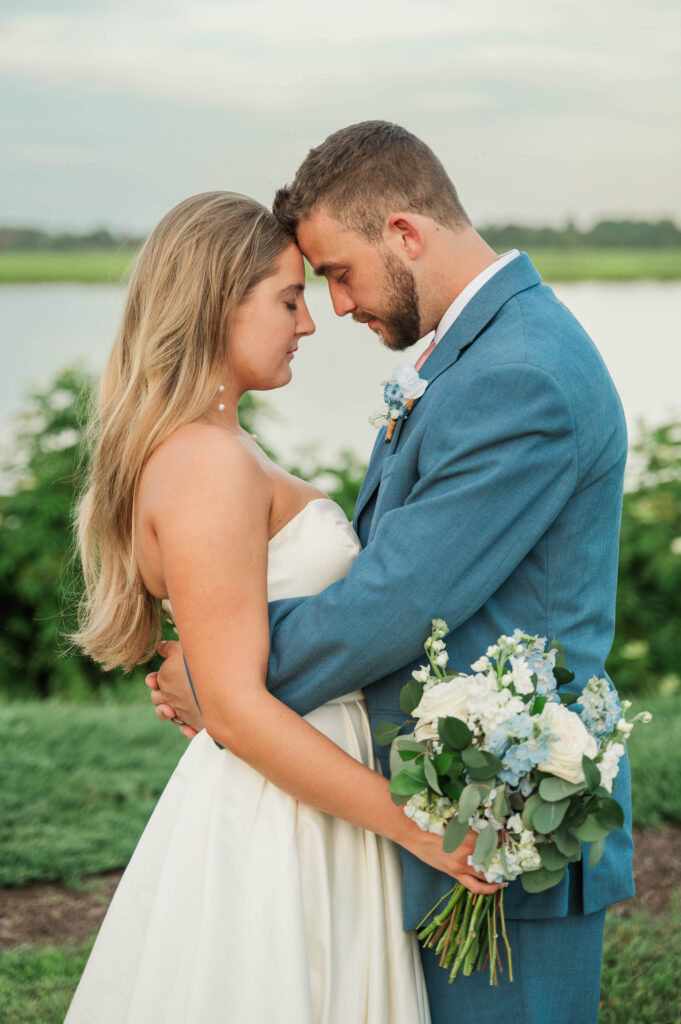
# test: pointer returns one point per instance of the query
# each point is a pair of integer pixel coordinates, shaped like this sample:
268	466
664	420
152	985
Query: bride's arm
211	521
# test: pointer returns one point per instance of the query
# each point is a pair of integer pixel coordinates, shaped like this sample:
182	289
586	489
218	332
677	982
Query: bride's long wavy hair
164	370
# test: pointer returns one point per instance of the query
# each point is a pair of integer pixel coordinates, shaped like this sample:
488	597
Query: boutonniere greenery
399	395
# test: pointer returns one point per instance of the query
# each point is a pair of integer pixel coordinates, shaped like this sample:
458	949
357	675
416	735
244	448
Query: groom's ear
405	234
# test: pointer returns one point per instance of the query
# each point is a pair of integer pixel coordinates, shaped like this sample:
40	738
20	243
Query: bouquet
499	751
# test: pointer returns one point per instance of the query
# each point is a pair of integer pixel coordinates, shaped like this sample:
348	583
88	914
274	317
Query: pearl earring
221	406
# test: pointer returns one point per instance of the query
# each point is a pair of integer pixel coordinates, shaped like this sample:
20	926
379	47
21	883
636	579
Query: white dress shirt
465	296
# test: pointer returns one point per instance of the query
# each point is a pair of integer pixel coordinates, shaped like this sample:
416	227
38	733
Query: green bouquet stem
466	933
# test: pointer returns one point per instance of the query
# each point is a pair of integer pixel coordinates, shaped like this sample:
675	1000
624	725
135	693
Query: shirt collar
465	296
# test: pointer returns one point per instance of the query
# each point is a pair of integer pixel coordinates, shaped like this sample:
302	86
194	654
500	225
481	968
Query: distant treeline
33	240
606	234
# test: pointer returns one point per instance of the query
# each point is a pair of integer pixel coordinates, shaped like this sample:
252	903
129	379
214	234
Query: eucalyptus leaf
474	758
453	788
567	698
410	696
591	773
485	846
469	801
541	879
454	733
431	775
556	789
557	646
455	833
482	759
404	784
610	815
500	807
552	859
562	676
538	705
406	754
596	852
385	733
530	807
443	762
549	816
567	843
590	831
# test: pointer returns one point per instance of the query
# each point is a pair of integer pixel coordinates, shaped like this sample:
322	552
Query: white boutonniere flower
399	395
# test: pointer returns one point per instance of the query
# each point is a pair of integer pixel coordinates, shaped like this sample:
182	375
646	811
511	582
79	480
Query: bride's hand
171	693
428	848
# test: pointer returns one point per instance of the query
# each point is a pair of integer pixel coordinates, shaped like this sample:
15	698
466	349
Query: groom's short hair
362	173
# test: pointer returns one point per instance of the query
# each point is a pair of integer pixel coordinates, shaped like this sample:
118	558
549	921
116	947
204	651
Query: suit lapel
515	277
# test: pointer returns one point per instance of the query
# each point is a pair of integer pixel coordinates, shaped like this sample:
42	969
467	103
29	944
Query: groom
494	505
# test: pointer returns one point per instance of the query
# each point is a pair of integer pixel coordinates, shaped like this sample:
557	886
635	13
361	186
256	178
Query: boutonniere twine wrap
399	395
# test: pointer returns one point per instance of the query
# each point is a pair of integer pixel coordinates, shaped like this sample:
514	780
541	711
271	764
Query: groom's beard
401	318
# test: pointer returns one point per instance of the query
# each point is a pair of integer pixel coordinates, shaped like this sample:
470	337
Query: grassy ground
97	266
639	982
110	265
80	781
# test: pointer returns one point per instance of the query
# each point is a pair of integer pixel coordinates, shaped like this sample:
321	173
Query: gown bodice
314	549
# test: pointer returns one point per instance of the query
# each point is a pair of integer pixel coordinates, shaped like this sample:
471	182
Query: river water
337	372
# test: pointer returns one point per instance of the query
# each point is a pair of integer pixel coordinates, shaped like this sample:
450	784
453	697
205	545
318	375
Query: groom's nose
341	299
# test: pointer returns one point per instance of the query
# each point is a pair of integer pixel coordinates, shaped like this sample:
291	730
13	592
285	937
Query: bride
263	888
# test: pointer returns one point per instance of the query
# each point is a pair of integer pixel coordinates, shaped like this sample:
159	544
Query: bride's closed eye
291	305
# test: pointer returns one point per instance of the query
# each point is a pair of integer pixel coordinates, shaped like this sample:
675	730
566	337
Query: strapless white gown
241	905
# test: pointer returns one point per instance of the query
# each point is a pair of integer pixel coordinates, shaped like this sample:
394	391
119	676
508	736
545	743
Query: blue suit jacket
496	505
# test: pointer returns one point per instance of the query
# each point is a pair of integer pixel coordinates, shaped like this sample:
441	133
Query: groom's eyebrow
327	268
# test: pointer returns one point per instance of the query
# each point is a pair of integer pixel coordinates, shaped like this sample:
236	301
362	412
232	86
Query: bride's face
267	326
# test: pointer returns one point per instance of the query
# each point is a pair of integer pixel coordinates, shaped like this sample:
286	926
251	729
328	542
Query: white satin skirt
242	905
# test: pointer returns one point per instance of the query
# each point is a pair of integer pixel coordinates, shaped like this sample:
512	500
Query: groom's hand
171	693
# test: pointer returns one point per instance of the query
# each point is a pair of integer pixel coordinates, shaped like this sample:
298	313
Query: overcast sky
111	112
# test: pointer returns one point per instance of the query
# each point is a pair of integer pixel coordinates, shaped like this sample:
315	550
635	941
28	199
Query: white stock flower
571	742
421	674
522	675
440	701
609	764
624	728
442	659
408	381
481	665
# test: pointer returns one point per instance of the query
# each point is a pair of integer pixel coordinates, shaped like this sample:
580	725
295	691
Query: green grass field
109	266
79	782
96	266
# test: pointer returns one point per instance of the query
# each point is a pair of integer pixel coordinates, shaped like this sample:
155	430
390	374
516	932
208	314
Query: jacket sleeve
497	463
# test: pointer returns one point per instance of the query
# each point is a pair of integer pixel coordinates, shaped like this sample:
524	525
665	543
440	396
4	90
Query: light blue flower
517	762
600	707
392	394
520	725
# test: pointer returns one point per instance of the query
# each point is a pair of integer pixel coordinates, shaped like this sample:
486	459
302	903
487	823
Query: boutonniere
399	395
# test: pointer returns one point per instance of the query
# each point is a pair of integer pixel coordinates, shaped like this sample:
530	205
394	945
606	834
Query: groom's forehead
325	242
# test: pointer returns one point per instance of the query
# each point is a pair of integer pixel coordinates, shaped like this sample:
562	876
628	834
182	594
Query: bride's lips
291	352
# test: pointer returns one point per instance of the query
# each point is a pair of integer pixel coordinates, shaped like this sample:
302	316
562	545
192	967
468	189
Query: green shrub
647	651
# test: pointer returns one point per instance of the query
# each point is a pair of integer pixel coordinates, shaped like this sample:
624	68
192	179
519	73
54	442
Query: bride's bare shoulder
194	455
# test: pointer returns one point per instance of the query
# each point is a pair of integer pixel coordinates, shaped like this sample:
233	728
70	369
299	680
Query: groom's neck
452	259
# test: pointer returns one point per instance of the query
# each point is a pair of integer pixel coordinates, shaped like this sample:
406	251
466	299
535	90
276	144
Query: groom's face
368	281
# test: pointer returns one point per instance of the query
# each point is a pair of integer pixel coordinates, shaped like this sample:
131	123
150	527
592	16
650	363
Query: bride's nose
305	325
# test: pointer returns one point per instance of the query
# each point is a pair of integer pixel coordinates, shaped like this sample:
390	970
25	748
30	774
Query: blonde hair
164	371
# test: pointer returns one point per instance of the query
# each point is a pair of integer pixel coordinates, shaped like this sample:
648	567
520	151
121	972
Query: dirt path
49	914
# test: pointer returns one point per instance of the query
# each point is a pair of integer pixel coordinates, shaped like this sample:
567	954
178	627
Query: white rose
573	740
438	702
408	381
